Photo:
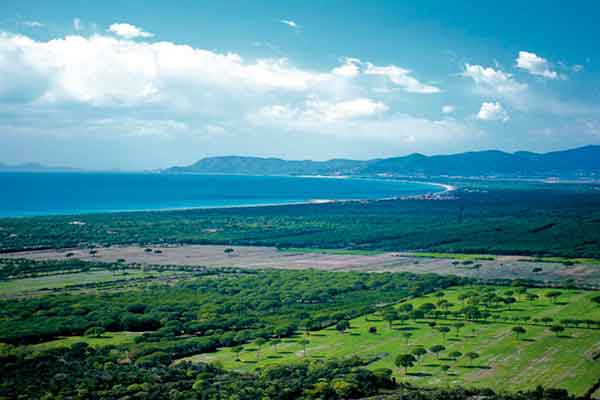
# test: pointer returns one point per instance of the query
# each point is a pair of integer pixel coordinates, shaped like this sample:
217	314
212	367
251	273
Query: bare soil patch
502	267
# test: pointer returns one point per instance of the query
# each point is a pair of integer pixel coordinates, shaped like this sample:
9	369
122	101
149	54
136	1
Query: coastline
313	201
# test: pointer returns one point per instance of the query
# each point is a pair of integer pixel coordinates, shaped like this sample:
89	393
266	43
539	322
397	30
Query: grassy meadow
537	357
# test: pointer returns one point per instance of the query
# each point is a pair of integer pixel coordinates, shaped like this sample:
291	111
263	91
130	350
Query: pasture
538	356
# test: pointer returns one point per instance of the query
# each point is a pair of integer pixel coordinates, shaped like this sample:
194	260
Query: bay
50	193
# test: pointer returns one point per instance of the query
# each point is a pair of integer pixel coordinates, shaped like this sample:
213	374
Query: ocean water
31	193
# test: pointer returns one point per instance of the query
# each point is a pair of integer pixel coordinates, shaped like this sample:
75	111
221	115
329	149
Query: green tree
455	355
419	352
518	331
407	336
406	361
342	326
547	320
557	329
532	297
471	356
510	301
458	326
437	349
444	331
390	315
553	295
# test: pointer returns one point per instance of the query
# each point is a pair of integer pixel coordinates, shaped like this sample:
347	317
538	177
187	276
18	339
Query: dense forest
505	218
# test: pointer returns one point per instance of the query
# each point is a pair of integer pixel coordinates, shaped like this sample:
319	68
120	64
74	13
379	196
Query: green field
71	281
539	357
107	339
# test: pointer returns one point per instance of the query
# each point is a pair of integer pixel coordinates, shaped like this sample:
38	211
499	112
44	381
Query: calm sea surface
25	193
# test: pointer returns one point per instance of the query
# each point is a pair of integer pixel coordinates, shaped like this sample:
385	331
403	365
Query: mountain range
582	161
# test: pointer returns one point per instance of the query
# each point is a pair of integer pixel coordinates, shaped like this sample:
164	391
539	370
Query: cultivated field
567	360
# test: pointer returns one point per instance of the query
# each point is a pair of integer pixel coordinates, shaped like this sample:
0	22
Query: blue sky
143	84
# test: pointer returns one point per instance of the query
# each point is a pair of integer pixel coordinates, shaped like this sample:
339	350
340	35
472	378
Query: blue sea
48	193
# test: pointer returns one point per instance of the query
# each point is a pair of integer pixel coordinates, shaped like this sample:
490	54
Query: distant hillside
32	167
583	161
271	166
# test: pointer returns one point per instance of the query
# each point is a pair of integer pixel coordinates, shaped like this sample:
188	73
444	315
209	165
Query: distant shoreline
429	190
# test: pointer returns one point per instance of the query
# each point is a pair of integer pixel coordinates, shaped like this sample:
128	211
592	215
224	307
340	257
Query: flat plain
583	271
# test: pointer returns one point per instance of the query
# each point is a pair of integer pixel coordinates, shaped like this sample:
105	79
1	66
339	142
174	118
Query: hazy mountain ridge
33	167
582	161
271	166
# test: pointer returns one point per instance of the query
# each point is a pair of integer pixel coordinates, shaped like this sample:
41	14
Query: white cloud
401	77
492	112
349	69
348	109
535	65
447	109
398	76
128	31
33	24
314	110
373	124
491	80
290	23
163	90
77	24
138	73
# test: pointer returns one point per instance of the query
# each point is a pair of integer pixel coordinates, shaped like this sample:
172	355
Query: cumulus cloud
128	31
535	65
398	76
136	73
349	69
448	109
402	78
492	80
140	89
289	22
492	112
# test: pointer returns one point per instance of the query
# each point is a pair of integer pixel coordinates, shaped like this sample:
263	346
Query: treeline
534	219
